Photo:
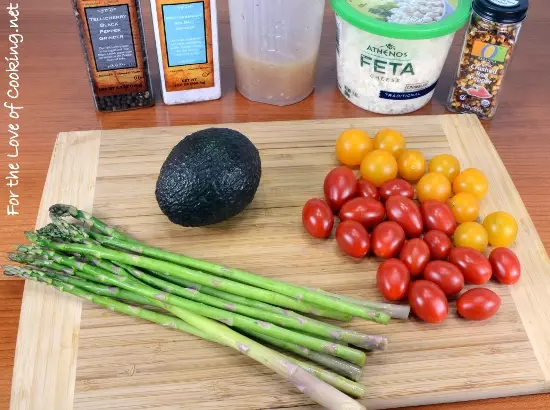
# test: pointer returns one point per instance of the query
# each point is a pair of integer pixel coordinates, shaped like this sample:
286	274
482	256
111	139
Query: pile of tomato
424	224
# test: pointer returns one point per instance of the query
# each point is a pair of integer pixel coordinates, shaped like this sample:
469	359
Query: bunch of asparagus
92	260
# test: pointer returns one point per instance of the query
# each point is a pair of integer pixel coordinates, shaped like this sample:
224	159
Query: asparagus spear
395	311
230	297
339	366
335	380
300	323
61	229
232	319
61	226
118	268
276	296
313	387
61	210
50	254
179	271
102	290
317	390
381	342
380	313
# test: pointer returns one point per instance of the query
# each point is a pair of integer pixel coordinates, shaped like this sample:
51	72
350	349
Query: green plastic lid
405	19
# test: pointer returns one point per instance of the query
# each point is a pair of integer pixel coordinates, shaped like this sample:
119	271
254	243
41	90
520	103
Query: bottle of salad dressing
186	33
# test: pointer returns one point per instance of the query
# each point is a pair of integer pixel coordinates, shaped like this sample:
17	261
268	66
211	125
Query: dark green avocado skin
210	176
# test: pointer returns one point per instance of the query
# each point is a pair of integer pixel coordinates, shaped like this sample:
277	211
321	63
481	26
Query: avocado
208	177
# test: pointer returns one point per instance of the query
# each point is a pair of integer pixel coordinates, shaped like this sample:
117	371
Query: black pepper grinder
486	54
113	41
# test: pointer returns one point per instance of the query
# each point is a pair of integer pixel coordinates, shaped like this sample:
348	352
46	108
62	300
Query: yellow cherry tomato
411	165
389	140
501	227
465	207
379	166
471	235
471	180
446	164
434	186
352	146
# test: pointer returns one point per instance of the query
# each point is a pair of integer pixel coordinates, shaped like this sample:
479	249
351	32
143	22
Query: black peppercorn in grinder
113	42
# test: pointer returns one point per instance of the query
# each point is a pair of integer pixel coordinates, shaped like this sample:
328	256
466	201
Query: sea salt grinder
186	34
486	54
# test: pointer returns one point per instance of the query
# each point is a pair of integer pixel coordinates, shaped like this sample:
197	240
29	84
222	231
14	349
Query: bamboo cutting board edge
378	404
531	293
32	378
47	340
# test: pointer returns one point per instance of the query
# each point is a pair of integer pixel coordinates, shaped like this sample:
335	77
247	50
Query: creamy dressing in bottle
275	48
287	83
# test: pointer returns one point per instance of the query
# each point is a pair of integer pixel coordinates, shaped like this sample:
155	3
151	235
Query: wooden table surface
56	97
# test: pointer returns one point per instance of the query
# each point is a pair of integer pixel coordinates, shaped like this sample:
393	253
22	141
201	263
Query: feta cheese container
390	53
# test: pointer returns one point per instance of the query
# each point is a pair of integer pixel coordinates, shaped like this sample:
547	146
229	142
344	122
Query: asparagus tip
69	229
34	237
10	270
19	257
61	210
59	229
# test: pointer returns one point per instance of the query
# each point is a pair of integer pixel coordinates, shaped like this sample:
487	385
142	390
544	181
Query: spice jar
487	51
113	41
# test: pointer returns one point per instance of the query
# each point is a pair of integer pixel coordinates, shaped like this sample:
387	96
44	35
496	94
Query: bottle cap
502	11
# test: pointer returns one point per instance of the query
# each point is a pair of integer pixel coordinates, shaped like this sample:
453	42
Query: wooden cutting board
74	355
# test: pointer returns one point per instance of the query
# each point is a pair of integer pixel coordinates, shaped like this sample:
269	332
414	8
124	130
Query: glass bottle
489	43
113	41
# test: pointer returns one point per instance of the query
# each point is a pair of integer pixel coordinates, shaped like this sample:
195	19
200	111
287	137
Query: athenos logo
386	60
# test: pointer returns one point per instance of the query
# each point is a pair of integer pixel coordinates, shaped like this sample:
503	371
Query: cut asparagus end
400	311
328	396
395	311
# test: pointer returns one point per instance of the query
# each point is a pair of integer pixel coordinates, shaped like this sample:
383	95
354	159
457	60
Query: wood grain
57	98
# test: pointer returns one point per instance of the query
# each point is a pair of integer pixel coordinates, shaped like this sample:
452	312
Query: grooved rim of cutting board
47	341
532	292
44	374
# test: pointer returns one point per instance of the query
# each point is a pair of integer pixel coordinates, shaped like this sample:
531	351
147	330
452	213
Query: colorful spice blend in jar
488	46
113	42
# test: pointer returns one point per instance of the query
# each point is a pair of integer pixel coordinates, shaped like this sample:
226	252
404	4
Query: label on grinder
185	29
113	46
